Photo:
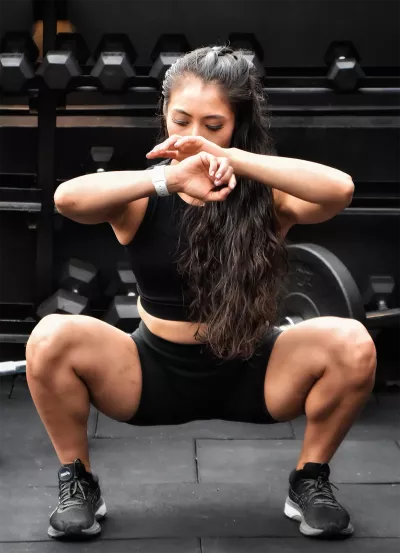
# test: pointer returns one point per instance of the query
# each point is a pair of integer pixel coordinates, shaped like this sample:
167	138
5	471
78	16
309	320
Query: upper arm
292	210
126	222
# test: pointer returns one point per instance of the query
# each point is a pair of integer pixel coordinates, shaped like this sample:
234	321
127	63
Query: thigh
104	357
297	361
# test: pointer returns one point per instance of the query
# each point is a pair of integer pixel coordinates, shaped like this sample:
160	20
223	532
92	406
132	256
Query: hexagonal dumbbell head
79	277
253	51
115	56
346	74
62	65
58	69
338	49
168	48
99	159
345	71
380	289
19	53
73	42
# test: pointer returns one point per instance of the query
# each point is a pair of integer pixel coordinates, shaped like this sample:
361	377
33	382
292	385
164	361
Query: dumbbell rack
42	194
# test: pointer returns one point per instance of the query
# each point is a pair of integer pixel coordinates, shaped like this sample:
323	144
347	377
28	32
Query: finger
166	144
213	165
232	182
187	140
173	154
223	163
218	195
183	140
225	178
159	151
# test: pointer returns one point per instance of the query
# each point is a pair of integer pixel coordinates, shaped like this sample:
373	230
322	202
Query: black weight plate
319	284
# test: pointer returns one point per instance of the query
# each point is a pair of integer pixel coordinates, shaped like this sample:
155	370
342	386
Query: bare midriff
179	332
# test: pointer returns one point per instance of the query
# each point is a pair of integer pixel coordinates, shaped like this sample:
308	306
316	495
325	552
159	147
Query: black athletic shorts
186	382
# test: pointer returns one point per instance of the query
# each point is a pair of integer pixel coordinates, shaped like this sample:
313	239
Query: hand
181	147
202	177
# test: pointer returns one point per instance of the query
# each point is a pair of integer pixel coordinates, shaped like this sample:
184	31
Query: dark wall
364	147
356	131
292	33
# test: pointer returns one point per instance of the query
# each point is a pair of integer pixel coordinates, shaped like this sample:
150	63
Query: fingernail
218	175
212	173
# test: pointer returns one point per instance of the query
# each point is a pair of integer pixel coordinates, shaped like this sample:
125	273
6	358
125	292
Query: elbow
63	201
59	200
347	190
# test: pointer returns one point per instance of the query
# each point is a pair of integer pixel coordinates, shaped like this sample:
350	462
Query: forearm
100	193
306	180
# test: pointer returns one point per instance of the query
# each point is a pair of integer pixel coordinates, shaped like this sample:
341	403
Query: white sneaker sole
74	532
293	512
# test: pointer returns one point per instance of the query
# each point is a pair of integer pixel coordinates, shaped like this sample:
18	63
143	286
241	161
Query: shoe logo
65	473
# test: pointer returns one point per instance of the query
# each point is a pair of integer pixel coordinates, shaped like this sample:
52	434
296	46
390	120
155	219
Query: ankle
84	462
302	464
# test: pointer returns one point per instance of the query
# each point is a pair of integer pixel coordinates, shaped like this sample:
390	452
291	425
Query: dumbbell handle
374	319
383	318
12	367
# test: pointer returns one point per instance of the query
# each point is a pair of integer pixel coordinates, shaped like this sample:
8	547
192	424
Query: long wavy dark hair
235	260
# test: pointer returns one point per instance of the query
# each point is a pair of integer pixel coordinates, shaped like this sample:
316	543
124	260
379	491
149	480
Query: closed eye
211	127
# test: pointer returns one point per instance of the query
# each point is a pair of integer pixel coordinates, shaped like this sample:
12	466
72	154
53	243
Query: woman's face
199	109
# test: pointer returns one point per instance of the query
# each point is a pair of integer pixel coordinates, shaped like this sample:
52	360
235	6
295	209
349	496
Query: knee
48	340
356	352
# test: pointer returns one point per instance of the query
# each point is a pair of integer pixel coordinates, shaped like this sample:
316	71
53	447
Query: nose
195	130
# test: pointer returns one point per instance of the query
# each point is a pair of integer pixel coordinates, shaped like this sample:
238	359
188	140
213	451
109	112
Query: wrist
233	155
238	159
171	177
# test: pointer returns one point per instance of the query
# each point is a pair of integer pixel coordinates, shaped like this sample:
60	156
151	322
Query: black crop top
154	253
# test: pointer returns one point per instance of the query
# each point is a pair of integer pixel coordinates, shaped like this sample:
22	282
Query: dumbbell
62	65
122	312
114	57
168	49
344	71
99	159
378	294
253	51
78	285
19	54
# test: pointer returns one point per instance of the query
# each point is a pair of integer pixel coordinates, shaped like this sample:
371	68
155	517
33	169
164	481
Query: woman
209	259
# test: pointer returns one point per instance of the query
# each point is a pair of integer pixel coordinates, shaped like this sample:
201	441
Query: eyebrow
216	116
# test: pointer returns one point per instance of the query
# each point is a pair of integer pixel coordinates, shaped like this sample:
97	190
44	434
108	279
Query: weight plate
318	284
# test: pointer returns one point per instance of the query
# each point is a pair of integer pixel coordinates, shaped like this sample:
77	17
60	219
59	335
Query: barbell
318	284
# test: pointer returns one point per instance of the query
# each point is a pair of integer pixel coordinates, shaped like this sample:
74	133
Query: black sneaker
311	502
80	504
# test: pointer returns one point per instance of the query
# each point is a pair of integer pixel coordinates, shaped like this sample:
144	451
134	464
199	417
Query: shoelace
72	494
321	491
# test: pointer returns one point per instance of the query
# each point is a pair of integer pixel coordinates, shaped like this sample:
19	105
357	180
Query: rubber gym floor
203	487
